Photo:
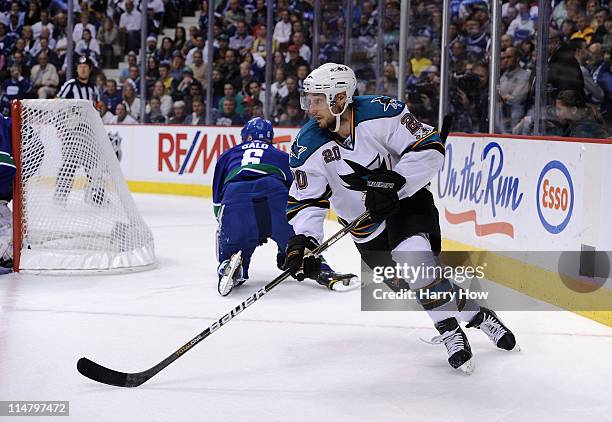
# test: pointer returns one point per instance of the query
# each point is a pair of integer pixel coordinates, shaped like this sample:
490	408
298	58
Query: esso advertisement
555	197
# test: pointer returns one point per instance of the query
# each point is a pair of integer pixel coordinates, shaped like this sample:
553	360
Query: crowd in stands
33	46
577	95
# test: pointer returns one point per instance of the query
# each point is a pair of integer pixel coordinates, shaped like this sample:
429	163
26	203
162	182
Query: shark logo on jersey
387	102
297	149
358	180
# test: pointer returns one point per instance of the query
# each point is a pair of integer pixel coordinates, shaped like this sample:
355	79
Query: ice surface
302	353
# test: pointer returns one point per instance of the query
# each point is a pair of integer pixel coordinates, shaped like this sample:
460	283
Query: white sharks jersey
330	170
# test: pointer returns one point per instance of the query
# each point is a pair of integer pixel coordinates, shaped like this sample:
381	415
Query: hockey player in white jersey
370	153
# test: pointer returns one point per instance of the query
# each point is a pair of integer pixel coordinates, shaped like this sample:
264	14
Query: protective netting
77	211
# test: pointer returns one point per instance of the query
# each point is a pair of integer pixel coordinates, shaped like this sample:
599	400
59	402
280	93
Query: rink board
494	193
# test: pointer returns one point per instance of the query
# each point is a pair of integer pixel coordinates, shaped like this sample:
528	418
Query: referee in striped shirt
81	88
75	142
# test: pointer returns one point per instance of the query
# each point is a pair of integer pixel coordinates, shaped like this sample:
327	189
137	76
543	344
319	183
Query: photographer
422	96
469	100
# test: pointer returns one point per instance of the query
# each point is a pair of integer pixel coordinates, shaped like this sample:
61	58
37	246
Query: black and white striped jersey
74	89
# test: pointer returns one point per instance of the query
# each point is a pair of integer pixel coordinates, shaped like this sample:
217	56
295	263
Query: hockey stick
108	376
446	125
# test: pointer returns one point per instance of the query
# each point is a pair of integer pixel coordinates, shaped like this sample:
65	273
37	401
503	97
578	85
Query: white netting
77	211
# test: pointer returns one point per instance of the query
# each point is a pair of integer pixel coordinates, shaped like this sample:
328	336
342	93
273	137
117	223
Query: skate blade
225	285
468	367
346	284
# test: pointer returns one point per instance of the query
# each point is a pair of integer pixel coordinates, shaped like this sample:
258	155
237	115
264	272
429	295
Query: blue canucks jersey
246	162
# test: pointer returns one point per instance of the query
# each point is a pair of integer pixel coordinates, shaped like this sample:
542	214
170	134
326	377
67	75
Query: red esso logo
554	196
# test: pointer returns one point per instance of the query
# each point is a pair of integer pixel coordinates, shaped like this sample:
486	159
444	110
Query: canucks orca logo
357	180
115	140
387	102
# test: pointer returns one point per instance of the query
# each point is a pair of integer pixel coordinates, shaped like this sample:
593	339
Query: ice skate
494	328
337	281
230	274
457	345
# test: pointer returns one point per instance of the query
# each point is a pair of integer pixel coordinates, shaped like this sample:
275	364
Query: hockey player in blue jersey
7	175
250	189
370	153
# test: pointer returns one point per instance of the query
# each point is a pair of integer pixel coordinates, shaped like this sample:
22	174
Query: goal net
72	209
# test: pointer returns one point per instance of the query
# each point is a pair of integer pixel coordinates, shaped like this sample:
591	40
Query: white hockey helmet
330	79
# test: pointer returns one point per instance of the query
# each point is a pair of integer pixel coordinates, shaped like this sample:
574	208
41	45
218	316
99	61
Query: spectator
230	92
169	82
154	115
506	41
45	79
165	100
230	68
292	91
197	117
134	76
580	120
130	100
294	60
255	92
107	116
303	49
229	117
180	38
129	27
152	46
584	28
241	41
218	86
563	69
198	47
458	56
282	30
568	28
42	46
389	87
43	23
132	60
294	116
182	89
123	117
77	33
522	27
603	77
109	46
259	15
418	61
244	78
16	87
33	14
601	15
179	113
177	66
476	39
233	14
152	73
111	97
199	68
88	46
592	91
164	54
259	43
513	89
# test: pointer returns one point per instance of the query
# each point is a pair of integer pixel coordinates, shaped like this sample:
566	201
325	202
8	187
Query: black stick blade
102	374
446	126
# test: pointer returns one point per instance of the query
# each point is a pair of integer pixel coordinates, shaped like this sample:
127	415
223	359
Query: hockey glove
381	194
300	260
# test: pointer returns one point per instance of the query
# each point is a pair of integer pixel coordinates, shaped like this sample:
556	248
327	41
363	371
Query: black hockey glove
300	260
381	194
